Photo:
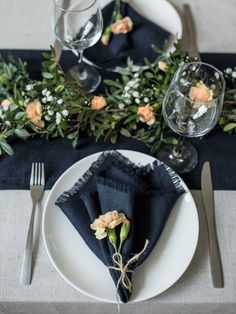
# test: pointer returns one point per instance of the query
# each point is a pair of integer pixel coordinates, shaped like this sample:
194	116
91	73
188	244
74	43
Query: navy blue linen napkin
146	195
135	44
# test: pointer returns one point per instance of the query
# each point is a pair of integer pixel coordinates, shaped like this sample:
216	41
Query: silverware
37	181
208	201
189	43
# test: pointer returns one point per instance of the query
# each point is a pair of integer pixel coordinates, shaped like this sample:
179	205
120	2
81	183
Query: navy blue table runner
218	147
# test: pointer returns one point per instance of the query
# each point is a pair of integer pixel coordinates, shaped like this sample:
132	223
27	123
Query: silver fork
37	182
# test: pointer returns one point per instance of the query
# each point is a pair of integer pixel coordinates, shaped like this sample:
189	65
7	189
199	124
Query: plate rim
61	273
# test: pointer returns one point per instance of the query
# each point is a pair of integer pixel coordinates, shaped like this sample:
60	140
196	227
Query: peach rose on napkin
34	112
200	93
98	102
146	114
122	26
109	220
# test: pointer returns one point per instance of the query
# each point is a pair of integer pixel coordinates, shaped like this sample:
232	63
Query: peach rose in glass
122	26
34	112
109	220
146	114
200	93
98	102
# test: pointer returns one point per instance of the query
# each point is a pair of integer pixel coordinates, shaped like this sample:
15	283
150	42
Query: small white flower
44	100
131	83
48	93
44	91
128	101
121	106
5	107
136	86
50	112
127	95
136	94
127	88
50	98
137	100
65	113
23	93
47	118
228	71
58	118
8	123
217	75
29	87
60	101
146	100
234	74
136	75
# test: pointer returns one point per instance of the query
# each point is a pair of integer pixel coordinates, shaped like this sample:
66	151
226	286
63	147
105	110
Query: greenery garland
57	107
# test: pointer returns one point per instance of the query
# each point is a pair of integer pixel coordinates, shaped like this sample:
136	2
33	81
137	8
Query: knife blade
208	201
189	43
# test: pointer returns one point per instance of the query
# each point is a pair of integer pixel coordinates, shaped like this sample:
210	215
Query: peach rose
105	39
122	26
146	114
200	93
109	220
162	65
98	102
34	112
6	103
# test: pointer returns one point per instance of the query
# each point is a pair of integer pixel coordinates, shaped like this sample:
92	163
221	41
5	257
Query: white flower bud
29	87
60	101
44	91
44	100
50	98
65	113
58	118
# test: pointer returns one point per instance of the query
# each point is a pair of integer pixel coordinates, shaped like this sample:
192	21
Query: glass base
182	159
89	78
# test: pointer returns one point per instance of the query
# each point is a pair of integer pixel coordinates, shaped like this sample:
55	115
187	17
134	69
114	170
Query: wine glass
78	25
191	108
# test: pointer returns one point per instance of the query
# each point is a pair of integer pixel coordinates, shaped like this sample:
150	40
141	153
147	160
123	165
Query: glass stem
178	148
81	68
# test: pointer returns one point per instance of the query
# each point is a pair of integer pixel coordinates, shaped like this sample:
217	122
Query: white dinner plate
160	12
76	263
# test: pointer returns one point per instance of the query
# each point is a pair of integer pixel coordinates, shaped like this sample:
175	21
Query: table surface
49	293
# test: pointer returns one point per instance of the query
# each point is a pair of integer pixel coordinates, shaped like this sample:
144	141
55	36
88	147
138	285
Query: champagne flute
191	108
78	26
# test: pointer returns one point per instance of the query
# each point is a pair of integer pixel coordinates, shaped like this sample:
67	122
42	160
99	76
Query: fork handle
25	276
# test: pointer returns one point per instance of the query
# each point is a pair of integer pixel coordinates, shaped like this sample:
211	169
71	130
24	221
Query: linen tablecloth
193	293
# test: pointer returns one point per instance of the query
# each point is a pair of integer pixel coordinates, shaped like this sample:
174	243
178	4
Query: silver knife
208	201
189	43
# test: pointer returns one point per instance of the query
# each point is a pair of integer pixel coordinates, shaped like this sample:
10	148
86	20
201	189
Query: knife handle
214	252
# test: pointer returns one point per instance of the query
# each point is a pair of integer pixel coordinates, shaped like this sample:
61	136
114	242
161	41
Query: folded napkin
135	44
146	196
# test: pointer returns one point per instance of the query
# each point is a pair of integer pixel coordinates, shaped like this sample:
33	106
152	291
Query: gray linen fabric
49	294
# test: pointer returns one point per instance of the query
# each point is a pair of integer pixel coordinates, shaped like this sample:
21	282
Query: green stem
120	246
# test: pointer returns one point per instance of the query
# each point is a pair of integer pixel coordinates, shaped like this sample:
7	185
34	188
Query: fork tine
36	174
42	174
32	174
